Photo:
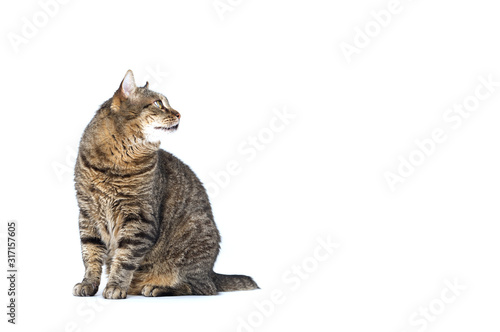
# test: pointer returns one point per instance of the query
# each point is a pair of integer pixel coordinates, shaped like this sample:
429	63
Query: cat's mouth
167	128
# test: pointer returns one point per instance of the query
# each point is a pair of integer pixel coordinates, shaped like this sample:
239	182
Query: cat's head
141	112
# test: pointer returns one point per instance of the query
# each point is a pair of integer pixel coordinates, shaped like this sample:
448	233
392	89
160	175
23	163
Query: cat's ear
146	86
124	92
127	87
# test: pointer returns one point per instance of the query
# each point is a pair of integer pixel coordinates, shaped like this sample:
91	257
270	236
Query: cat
143	212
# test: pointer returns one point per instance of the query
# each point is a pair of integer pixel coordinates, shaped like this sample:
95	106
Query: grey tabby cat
143	212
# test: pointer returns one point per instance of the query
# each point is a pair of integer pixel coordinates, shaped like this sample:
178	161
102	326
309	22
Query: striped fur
143	213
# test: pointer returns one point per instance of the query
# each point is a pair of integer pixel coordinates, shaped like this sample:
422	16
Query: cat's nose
177	114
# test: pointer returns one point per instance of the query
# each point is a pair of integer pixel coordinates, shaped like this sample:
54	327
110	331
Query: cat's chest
110	191
115	198
114	207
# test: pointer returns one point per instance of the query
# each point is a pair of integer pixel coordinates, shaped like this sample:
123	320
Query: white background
320	177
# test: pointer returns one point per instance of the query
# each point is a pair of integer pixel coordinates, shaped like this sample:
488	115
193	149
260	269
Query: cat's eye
158	104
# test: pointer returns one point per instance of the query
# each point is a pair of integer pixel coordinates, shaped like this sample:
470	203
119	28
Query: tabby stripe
145	267
141	219
142	171
129	218
127	266
140	252
92	240
85	213
126	242
87	164
145	220
143	235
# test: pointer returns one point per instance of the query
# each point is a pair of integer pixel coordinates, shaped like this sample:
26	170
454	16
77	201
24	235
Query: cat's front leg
93	253
136	238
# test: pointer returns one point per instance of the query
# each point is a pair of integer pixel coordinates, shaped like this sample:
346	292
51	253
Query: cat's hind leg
171	284
203	286
155	291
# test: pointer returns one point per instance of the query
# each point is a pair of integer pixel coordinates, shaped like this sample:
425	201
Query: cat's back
184	190
177	172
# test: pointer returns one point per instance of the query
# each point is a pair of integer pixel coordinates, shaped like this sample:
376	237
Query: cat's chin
155	133
167	129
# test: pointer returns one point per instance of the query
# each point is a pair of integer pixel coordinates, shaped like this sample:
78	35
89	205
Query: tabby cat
143	212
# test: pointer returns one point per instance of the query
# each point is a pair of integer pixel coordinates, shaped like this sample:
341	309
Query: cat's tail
234	282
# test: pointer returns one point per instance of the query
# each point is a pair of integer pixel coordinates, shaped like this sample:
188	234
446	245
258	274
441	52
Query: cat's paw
150	290
85	289
113	291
